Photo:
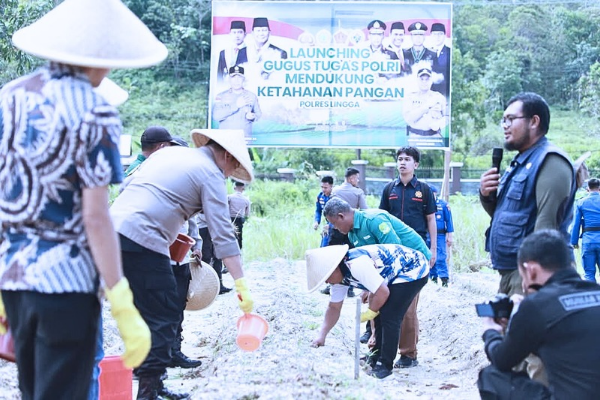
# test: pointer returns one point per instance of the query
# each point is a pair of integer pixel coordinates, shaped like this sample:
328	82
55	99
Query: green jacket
374	226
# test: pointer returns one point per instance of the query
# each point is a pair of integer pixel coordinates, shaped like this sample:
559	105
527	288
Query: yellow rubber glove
368	315
246	302
2	316
132	327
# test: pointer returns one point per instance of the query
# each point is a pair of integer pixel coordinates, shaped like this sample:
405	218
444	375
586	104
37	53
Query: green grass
282	219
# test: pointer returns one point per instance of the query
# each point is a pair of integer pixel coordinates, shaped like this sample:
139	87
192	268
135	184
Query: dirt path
287	367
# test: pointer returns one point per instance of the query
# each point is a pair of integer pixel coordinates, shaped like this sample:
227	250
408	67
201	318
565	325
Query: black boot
444	282
169	394
178	359
223	289
148	387
434	280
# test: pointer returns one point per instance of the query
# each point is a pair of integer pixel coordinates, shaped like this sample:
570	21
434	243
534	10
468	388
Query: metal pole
357	339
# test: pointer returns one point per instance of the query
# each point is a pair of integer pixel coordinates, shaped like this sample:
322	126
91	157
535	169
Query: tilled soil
287	367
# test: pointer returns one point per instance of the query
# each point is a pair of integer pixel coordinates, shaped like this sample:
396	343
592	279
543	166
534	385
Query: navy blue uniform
321	201
443	219
587	220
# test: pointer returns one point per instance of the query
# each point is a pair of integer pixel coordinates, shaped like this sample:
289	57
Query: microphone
497	154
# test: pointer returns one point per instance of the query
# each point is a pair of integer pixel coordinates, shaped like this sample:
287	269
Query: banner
332	74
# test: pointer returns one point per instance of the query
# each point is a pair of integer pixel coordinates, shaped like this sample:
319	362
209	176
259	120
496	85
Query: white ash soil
287	367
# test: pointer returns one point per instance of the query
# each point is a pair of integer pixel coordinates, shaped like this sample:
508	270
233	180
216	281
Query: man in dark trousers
587	219
411	201
322	199
239	210
559	320
445	230
58	156
535	192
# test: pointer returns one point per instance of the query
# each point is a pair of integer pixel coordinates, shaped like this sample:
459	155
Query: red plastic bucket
7	346
180	247
252	328
115	379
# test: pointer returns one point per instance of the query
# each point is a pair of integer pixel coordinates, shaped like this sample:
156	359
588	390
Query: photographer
558	320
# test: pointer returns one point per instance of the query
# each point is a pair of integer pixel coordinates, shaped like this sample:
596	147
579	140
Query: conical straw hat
234	142
320	264
92	33
204	286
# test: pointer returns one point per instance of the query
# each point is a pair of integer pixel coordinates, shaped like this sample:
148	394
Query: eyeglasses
506	122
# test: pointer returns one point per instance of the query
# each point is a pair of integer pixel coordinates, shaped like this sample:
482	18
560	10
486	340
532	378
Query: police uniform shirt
432	118
320	204
239	205
412	57
229	116
174	184
443	217
587	220
351	195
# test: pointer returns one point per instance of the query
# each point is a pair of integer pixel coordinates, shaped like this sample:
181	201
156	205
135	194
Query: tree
15	14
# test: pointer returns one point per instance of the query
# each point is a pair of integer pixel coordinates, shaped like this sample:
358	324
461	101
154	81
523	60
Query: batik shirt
57	137
370	266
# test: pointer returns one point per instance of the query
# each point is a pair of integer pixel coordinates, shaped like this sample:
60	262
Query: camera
499	307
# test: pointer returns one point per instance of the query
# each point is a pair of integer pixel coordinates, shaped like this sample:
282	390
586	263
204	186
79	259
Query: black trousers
55	342
494	384
155	295
389	320
239	228
182	275
208	252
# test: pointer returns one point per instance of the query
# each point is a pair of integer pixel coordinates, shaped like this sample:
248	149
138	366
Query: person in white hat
391	276
58	154
174	184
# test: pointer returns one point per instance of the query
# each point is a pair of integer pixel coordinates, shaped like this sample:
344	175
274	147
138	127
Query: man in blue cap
445	228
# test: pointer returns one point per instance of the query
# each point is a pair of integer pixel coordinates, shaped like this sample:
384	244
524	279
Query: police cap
376	26
236	70
424	71
417	27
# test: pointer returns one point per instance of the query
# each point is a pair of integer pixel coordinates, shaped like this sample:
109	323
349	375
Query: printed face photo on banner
350	75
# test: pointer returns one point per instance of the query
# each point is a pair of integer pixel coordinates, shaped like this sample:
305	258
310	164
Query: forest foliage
499	48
